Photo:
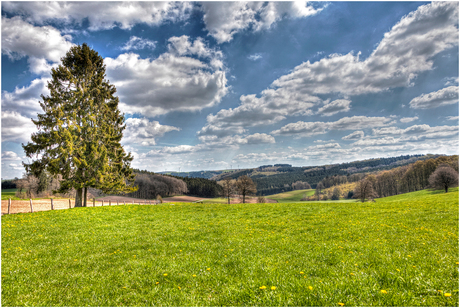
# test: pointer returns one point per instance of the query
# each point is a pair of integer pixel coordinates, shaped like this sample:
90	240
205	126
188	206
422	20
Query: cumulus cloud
171	82
452	118
10	155
331	108
305	129
255	57
144	132
225	19
101	15
405	51
418	131
409	119
354	136
25	99
136	43
42	45
443	97
16	128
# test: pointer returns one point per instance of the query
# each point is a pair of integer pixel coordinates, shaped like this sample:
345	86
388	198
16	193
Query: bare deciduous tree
228	188
443	177
318	189
245	186
364	190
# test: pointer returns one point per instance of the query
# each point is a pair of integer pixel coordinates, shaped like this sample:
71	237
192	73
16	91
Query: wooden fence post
110	202
52	205
31	208
102	202
94	202
70	204
124	202
117	202
9	205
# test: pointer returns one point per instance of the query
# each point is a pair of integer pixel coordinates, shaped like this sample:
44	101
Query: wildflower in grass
447	294
193	275
341	304
273	288
383	291
178	287
262	287
310	288
157	282
302	273
398	270
208	269
352	274
165	275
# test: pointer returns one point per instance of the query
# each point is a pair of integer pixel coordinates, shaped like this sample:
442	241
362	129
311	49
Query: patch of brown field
183	199
251	200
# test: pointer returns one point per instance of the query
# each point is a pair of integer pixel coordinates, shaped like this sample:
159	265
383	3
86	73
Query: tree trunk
244	199
78	198
85	195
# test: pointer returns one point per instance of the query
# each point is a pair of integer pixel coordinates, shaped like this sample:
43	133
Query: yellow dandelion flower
262	287
310	287
273	288
178	287
157	282
193	275
398	270
352	274
165	274
341	304
301	273
447	294
383	291
208	269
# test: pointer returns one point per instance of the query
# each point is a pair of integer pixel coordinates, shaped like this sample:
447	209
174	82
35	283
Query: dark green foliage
81	128
350	194
151	185
202	187
194	186
9	184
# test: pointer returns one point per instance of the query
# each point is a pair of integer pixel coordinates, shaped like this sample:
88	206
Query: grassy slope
395	252
9	194
292	196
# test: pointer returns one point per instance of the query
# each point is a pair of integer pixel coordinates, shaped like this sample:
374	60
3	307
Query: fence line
52	203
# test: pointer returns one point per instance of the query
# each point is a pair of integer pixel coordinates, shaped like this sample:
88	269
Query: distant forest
409	172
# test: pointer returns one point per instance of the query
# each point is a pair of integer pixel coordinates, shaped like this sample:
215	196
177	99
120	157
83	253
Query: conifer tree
80	131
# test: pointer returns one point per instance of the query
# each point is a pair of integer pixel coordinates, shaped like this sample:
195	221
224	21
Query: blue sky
214	85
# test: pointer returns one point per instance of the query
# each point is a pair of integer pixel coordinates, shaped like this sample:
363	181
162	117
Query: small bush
160	199
261	199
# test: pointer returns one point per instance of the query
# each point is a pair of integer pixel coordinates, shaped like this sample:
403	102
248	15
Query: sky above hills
219	85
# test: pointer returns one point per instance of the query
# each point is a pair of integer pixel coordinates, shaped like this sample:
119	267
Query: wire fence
29	206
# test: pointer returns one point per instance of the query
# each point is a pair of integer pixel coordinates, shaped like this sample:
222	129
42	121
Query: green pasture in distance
291	196
9	194
385	253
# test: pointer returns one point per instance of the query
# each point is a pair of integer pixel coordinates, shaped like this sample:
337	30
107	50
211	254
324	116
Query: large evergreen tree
81	128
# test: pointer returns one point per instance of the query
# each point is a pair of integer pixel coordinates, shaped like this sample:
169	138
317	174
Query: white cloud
255	57
40	44
418	131
16	127
101	15
443	97
305	129
409	119
171	82
452	118
136	43
25	100
225	19
451	81
331	108
10	155
354	136
144	132
405	51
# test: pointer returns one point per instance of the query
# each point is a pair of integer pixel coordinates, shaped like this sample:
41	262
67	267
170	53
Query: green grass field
292	196
399	251
9	194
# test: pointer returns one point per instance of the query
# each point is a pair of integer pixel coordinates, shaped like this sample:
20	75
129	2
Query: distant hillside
273	179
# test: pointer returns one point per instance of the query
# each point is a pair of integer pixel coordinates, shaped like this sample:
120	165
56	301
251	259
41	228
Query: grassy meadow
292	196
398	251
9	194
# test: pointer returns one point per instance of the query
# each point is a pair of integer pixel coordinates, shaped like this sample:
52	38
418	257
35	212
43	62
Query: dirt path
23	206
